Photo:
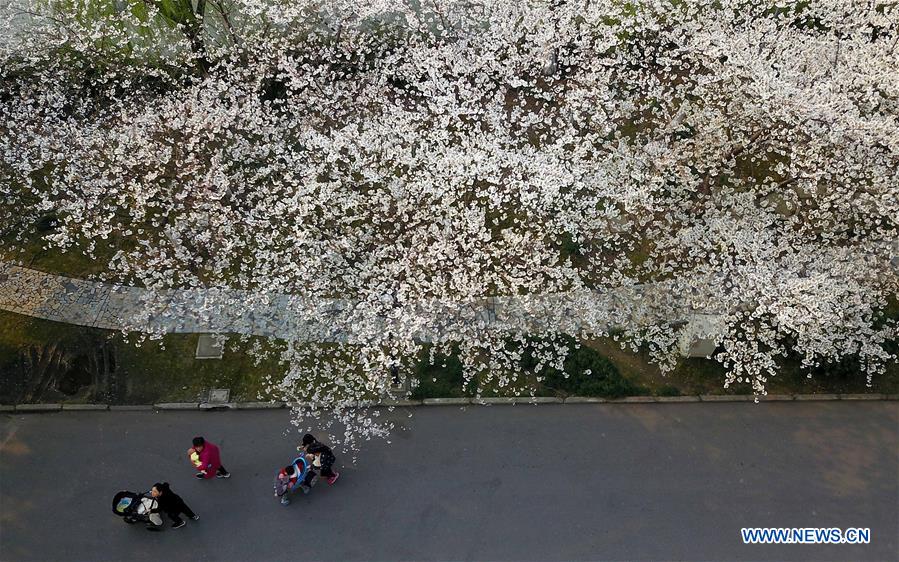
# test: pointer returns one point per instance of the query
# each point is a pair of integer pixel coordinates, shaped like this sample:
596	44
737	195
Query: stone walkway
114	307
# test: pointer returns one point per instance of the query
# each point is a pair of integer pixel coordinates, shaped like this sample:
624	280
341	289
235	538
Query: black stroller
135	507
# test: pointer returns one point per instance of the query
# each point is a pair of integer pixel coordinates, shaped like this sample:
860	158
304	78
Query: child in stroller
298	474
135	507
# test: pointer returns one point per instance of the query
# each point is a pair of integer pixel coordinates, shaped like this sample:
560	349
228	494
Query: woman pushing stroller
301	473
171	504
321	456
147	508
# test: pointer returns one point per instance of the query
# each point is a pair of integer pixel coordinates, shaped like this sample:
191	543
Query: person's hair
162	486
308	439
199	441
289	470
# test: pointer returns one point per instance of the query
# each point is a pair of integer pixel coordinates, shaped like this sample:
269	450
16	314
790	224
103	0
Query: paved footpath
115	307
585	482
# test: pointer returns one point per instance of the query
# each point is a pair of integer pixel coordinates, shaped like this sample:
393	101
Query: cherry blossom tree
476	178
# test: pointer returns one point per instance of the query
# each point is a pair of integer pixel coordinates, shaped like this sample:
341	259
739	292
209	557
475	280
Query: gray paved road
591	482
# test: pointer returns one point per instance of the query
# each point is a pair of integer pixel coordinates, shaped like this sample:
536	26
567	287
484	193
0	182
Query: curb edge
390	403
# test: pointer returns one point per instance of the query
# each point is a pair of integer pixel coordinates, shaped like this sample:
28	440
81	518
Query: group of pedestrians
206	459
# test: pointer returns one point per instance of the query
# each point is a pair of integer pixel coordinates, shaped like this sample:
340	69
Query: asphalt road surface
571	482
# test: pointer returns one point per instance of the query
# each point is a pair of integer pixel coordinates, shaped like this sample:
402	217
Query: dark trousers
327	463
177	510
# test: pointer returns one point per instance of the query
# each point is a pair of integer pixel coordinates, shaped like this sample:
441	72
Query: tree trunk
43	366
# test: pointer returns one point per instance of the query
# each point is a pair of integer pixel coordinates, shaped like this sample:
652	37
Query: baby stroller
134	507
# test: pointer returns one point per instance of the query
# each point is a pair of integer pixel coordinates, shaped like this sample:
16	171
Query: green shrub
437	380
588	374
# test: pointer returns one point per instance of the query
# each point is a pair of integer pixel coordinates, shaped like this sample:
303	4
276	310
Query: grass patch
156	371
167	371
694	376
27	244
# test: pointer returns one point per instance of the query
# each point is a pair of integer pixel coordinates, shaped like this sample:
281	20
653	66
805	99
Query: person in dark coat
320	455
171	504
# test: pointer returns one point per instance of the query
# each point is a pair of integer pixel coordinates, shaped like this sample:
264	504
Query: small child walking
285	480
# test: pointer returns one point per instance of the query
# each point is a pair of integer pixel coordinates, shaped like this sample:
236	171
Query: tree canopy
589	165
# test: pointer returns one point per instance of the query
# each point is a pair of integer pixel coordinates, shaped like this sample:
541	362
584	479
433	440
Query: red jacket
210	459
284	483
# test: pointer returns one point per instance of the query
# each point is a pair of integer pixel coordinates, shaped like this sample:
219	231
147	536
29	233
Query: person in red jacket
206	458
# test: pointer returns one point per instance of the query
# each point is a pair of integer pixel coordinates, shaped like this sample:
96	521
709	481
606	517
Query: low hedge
586	373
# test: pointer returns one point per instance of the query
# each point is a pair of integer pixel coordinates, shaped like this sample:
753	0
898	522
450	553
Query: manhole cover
219	395
209	347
